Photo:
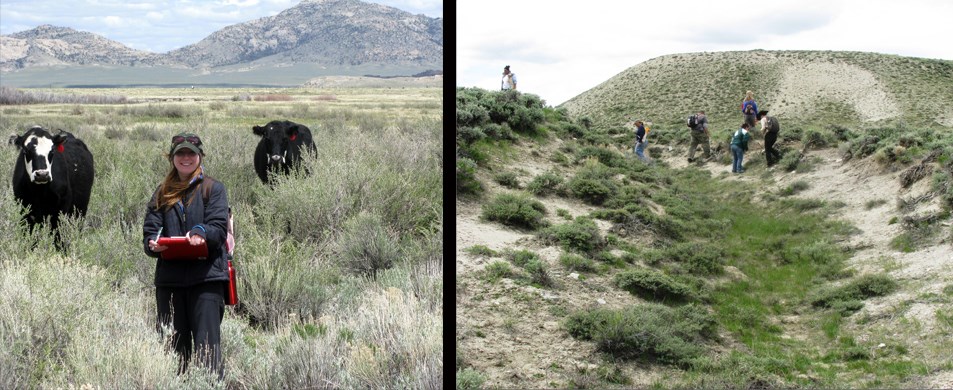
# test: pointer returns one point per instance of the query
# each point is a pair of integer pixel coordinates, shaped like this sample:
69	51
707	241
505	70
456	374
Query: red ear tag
60	148
293	136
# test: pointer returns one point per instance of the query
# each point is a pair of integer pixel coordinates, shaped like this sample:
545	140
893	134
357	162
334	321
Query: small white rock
601	301
881	345
574	275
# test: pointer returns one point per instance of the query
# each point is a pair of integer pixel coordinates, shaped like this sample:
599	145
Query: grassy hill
578	266
801	87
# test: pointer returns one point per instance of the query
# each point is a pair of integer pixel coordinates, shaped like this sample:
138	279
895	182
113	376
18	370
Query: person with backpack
509	80
739	145
190	292
699	125
770	128
641	133
749	108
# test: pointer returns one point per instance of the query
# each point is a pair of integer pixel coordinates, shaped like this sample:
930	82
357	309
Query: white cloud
114	21
239	3
561	49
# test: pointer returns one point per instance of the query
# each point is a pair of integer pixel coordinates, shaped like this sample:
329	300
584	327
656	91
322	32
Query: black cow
279	150
53	175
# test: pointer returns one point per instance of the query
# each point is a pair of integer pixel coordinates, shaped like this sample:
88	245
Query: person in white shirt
509	79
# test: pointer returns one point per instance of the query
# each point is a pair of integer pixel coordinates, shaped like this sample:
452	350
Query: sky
159	25
560	49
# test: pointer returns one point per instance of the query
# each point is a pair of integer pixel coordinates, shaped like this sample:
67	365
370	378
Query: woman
641	140
749	108
739	144
190	292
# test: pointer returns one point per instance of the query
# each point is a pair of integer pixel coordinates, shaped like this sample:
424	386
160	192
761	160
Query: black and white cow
280	148
53	175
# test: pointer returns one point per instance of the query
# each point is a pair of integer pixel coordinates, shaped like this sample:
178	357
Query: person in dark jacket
190	293
770	128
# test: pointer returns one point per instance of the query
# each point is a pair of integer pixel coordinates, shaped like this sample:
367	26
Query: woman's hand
155	247
195	240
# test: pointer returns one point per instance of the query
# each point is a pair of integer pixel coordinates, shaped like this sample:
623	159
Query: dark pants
195	313
771	155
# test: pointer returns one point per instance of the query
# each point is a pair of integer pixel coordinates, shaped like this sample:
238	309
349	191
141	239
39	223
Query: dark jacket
209	221
640	134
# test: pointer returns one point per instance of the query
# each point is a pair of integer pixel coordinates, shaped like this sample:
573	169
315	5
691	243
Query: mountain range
313	38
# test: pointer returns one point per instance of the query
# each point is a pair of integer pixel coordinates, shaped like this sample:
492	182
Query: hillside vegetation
803	88
339	268
578	266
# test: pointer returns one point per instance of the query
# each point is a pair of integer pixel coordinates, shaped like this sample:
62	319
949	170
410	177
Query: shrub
469	135
593	191
794	188
507	179
366	248
789	161
847	298
538	272
820	252
574	262
605	156
481	250
497	270
545	184
467	182
593	183
522	257
274	97
693	257
469	379
582	235
650	332
515	210
563	213
653	285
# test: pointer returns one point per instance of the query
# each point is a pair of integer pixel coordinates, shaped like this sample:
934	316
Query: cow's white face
36	156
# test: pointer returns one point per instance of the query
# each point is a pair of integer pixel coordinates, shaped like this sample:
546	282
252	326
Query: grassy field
309	316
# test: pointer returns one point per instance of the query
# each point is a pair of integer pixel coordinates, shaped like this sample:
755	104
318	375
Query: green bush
574	262
581	235
469	379
515	210
497	270
794	188
593	183
653	285
467	182
539	273
507	179
545	184
481	250
366	248
521	257
697	258
649	332
605	156
847	297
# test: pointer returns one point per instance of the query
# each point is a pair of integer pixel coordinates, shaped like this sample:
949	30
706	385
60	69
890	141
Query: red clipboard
180	249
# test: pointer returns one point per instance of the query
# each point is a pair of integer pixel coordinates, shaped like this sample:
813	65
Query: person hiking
700	136
749	108
509	80
770	128
641	139
739	144
190	292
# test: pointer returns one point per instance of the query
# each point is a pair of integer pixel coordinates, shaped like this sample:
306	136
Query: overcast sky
159	25
560	49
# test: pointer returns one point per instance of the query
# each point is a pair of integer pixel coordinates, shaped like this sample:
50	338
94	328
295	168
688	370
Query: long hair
749	95
173	189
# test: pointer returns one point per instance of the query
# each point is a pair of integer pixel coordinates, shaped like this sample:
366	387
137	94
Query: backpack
692	122
231	296
772	125
749	108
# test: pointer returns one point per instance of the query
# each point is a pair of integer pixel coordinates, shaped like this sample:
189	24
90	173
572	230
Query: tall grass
13	96
85	315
